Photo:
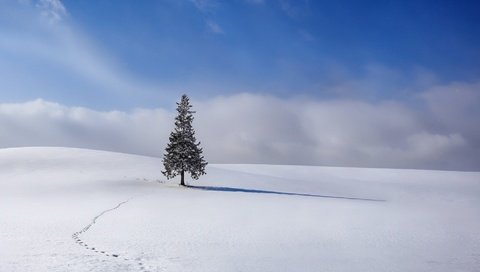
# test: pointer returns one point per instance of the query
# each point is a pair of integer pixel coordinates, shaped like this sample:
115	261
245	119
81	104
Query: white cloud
429	146
248	128
42	123
456	105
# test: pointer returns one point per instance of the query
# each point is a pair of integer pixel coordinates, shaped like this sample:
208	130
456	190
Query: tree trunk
182	180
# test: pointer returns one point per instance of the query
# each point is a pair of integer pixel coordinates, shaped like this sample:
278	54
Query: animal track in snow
79	241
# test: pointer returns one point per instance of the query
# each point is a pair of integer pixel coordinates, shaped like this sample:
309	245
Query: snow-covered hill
82	210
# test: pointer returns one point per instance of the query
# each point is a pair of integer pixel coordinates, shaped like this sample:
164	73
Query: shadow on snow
255	191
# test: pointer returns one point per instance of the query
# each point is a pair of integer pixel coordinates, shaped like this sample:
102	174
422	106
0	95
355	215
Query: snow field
238	218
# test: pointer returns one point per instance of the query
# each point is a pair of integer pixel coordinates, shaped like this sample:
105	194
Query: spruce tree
183	152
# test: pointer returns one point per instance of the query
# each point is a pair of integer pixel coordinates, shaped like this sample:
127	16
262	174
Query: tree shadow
255	191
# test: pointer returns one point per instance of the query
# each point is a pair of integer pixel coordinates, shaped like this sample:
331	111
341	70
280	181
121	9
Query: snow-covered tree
183	152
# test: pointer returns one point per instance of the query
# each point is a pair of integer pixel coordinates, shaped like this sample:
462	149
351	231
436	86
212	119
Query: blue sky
283	48
173	37
346	83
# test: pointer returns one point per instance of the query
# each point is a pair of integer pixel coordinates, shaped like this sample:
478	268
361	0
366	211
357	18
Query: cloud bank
438	133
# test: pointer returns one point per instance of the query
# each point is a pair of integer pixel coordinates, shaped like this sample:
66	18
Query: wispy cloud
294	8
256	2
214	27
53	10
205	5
40	35
207	8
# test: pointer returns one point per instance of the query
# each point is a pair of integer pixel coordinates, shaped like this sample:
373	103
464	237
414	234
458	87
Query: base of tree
182	178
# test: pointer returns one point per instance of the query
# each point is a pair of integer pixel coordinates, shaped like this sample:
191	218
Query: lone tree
183	152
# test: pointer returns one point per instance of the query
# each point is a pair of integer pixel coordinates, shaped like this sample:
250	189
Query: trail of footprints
76	238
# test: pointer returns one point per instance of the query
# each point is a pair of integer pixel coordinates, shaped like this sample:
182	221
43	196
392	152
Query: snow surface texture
82	210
